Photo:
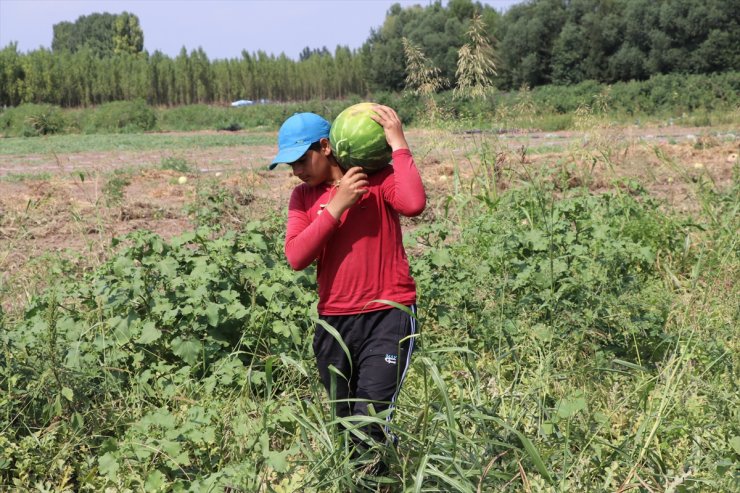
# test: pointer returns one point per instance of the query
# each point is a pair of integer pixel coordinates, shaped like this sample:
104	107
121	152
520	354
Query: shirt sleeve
305	239
403	189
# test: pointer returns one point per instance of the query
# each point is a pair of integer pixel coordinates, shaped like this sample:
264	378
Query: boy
349	223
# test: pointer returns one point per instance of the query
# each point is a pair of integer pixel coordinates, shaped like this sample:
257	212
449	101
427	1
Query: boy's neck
336	174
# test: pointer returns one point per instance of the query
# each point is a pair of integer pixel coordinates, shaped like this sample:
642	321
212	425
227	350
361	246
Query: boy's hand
388	118
350	189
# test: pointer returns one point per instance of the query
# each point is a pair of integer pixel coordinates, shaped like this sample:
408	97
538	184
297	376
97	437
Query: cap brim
289	155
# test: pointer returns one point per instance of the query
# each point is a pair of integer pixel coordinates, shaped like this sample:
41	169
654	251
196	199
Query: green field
578	333
128	142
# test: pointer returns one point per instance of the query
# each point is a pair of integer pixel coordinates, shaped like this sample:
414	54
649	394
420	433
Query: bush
191	117
122	117
583	264
28	120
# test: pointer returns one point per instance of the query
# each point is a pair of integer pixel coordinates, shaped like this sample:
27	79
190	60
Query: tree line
100	58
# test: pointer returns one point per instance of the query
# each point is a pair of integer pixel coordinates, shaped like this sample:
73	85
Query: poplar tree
128	36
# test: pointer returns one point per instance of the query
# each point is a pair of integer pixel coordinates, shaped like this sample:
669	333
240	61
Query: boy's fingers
385	116
352	171
355	173
386	111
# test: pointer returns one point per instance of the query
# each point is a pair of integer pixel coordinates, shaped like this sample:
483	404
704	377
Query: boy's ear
325	146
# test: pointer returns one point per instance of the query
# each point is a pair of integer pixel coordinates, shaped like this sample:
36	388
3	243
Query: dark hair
316	146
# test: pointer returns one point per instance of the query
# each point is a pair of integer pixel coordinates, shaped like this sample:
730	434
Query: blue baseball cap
297	134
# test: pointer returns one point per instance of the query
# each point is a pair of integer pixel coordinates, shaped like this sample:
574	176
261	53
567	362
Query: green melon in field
358	140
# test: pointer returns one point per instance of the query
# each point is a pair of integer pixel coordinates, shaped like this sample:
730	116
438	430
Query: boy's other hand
350	189
391	123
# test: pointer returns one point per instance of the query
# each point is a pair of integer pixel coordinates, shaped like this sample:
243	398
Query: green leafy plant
47	121
115	187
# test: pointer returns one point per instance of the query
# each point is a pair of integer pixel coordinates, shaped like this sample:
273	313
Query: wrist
398	145
335	210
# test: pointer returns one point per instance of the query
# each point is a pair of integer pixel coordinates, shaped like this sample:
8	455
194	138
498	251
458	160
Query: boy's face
314	167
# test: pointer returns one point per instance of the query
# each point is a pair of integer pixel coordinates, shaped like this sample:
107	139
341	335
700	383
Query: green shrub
191	117
122	117
30	119
583	265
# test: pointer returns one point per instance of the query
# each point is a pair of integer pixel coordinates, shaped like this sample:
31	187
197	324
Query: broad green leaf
571	406
78	422
542	332
73	356
735	444
155	480
647	254
162	418
236	310
441	258
547	428
211	312
183	239
277	460
168	267
535	239
257	241
175	452
149	333
281	328
143	451
157	244
108	465
269	290
248	258
264	441
67	393
187	349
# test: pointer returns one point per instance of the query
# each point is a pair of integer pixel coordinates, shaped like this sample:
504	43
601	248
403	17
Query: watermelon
358	140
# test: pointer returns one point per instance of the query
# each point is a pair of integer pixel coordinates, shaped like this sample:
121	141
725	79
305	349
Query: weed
179	164
47	121
114	188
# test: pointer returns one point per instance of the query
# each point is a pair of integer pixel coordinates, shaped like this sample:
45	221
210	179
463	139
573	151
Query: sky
223	28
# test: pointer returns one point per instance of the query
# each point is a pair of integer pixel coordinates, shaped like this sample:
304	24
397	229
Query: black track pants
380	349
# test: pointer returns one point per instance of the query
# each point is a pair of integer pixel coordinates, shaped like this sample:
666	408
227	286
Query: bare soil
65	205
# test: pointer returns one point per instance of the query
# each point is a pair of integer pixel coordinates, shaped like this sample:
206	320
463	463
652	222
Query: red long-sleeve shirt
361	256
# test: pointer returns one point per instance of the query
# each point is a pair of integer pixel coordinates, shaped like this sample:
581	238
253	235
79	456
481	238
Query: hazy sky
223	28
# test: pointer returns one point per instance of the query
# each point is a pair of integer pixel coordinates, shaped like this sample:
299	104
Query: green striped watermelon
358	140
